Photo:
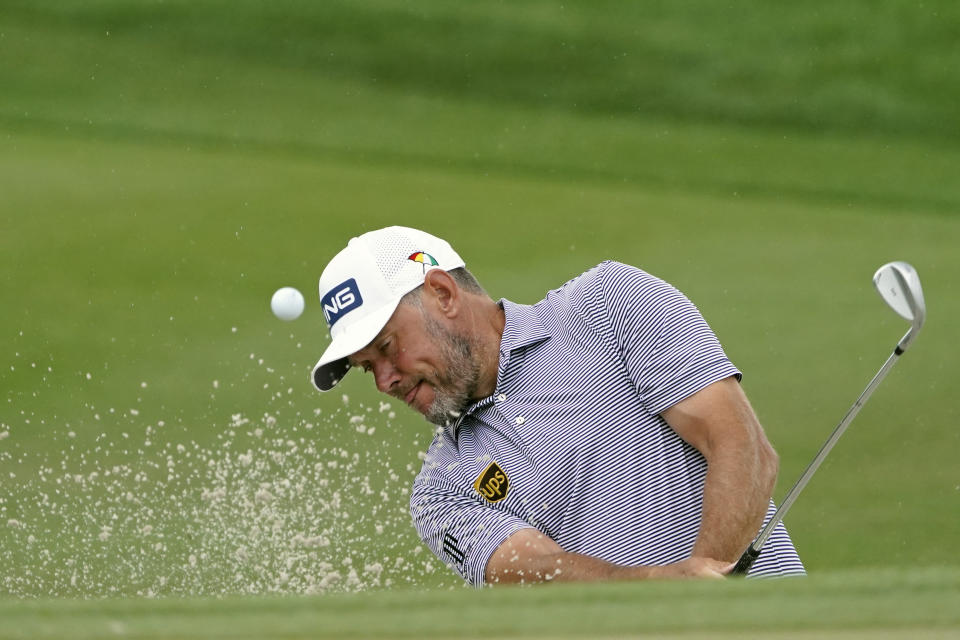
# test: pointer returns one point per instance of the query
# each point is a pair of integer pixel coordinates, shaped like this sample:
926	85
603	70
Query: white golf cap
363	284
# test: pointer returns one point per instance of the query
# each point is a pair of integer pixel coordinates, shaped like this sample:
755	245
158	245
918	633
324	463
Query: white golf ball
287	303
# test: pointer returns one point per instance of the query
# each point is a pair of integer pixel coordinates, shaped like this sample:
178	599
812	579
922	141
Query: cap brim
326	377
333	365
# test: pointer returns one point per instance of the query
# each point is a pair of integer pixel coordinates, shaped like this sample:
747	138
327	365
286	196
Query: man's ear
440	287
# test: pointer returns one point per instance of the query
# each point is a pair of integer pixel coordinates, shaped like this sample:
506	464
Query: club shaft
746	560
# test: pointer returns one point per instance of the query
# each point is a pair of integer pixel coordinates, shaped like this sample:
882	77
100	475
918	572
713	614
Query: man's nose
386	376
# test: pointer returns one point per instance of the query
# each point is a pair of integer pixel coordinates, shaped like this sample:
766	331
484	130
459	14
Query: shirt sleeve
667	347
461	531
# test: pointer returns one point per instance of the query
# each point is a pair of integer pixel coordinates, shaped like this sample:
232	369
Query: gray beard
457	384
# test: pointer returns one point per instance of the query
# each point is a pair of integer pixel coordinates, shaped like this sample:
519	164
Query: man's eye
384	345
365	367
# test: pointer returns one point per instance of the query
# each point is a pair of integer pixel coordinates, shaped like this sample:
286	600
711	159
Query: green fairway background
852	605
165	166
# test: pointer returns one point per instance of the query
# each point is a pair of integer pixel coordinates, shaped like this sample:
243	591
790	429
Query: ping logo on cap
493	483
340	299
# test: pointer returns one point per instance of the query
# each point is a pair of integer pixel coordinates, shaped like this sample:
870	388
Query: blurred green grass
817	65
846	604
165	166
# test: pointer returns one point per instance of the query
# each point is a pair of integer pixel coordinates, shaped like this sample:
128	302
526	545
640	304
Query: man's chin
436	417
443	414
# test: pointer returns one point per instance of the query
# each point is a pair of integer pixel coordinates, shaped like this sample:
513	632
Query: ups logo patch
493	483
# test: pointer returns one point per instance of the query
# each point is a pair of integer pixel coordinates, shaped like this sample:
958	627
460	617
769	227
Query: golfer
599	434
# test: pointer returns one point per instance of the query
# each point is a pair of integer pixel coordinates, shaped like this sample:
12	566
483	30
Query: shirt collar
522	328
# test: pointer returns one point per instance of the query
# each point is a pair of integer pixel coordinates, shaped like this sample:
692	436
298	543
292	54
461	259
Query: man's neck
489	333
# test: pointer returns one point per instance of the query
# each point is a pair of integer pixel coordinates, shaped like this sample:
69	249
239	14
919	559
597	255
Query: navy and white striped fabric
573	426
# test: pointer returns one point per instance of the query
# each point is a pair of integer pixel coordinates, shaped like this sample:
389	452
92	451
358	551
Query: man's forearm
562	567
740	479
528	556
741	466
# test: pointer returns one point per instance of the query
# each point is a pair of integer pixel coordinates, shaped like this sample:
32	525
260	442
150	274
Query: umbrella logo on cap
425	260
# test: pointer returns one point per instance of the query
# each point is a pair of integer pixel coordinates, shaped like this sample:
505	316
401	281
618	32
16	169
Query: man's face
416	359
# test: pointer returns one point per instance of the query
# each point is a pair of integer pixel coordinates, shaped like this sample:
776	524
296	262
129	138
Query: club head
899	286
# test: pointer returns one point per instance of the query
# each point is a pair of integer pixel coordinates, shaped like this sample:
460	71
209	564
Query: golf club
899	286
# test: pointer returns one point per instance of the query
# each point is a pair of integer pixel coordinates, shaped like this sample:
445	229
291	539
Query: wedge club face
899	286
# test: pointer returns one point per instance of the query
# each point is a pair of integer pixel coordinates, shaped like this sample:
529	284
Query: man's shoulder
596	272
596	283
580	306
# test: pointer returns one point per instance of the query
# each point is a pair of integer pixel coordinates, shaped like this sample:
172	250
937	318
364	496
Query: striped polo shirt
571	441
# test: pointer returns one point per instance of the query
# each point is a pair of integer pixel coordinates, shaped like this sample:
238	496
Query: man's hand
528	556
